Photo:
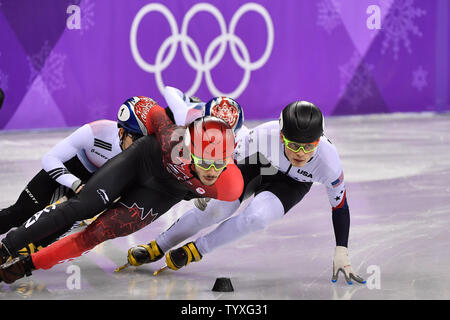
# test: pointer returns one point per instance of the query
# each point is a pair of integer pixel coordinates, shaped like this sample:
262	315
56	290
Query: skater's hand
201	203
341	263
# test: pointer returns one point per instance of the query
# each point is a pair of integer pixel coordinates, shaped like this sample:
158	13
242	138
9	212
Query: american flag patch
336	183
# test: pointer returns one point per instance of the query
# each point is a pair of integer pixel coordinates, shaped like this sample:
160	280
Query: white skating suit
277	186
324	167
93	144
184	111
66	166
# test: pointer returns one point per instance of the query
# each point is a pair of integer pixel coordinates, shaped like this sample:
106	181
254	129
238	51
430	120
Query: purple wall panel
64	63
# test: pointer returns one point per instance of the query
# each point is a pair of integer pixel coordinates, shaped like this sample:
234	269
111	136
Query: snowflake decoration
46	71
398	24
419	80
87	15
355	80
328	16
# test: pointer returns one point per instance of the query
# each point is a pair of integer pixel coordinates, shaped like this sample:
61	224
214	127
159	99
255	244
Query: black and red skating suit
147	179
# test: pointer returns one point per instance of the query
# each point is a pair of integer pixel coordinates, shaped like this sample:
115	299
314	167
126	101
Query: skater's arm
184	111
337	197
341	225
167	133
53	161
176	101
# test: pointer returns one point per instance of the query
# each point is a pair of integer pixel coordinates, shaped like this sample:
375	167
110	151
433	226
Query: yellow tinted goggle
208	164
295	146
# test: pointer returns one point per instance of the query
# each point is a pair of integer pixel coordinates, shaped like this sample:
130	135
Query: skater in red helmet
173	163
279	161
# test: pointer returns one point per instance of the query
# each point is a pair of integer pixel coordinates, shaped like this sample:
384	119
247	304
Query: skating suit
146	180
75	158
265	167
261	152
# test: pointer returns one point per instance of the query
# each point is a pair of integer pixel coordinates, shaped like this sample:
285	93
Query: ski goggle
208	164
295	146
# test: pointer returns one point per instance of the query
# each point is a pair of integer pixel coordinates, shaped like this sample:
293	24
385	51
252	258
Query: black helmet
301	121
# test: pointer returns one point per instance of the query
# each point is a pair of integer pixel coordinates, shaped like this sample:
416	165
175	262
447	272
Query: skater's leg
262	210
114	178
36	195
135	211
274	197
195	220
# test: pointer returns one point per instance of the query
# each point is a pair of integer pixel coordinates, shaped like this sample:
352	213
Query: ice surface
397	172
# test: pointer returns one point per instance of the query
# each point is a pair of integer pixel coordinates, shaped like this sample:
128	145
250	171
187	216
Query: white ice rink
397	173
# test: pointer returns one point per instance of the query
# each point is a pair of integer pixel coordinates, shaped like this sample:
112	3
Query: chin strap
121	139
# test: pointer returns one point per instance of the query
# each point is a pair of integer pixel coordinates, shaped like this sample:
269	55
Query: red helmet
210	138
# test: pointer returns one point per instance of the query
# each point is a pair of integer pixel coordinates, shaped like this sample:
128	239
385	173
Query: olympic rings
208	62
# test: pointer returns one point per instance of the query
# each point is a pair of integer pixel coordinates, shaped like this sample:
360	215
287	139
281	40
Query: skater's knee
254	221
220	210
118	221
258	216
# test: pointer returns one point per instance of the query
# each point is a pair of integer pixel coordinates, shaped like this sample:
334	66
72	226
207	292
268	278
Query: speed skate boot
144	253
16	268
177	258
25	251
28	249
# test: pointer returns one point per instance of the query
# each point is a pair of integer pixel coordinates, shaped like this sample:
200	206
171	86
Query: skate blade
122	267
159	271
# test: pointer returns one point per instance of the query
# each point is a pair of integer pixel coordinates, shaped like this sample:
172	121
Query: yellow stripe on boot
194	251
28	249
153	250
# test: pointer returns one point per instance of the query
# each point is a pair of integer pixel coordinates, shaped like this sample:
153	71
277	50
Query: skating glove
341	263
201	203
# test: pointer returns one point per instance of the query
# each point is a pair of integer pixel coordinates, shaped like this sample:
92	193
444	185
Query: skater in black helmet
279	161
